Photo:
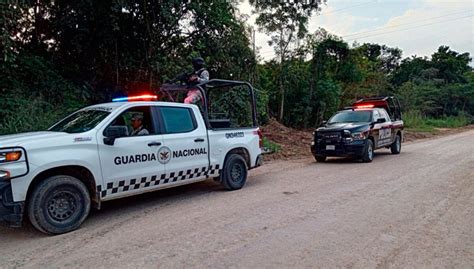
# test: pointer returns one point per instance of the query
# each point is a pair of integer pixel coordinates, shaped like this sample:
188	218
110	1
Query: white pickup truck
91	156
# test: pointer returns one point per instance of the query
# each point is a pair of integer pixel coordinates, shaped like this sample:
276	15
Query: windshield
351	116
81	121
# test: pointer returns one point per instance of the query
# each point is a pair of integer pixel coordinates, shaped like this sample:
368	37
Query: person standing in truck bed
199	75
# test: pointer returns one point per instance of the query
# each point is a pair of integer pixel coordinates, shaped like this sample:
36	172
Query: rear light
260	137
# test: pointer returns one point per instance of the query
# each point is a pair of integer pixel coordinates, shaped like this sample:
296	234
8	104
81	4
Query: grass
270	146
415	121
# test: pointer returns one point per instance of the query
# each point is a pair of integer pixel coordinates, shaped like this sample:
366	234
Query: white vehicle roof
115	105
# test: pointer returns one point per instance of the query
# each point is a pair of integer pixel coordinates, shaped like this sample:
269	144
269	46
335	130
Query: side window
391	109
137	120
384	114
376	115
177	120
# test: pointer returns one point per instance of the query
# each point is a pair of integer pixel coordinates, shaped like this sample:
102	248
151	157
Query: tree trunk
312	84
282	89
282	103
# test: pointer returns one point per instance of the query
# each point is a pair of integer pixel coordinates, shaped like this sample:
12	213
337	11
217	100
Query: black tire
235	172
59	204
396	146
320	158
368	154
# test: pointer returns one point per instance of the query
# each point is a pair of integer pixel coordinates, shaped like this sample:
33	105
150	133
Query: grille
332	135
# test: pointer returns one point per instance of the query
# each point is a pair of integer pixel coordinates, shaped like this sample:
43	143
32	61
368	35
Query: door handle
199	140
154	144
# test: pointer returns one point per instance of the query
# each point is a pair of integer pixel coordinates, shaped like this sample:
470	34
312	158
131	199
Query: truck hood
20	139
351	126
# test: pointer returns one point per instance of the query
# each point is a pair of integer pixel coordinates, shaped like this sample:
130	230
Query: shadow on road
382	155
123	207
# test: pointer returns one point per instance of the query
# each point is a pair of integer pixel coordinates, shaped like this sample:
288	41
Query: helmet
198	63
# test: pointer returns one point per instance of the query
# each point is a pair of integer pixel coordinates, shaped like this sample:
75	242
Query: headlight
4	175
13	163
358	136
10	156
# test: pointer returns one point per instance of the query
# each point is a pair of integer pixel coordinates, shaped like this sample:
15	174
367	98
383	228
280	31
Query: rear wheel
396	146
59	204
368	154
235	172
320	158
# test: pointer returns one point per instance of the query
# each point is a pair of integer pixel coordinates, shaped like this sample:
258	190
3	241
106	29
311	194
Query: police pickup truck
54	177
370	124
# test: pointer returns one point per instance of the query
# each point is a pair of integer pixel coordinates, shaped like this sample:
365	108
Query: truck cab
54	177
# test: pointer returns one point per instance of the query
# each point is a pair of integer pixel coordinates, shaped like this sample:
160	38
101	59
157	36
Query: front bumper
10	212
342	149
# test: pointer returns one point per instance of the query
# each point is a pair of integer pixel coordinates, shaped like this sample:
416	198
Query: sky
418	27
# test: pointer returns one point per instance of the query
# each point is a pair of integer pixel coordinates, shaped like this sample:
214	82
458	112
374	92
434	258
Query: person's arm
204	76
143	132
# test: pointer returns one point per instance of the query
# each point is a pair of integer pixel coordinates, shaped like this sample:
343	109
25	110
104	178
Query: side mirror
323	123
380	120
114	132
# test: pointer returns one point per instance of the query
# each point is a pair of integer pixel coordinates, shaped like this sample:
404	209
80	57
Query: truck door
386	133
131	164
390	126
185	143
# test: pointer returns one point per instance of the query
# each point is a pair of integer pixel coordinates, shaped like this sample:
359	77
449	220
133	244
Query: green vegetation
415	121
337	74
57	56
271	146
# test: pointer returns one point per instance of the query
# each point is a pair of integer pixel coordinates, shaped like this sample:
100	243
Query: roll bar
213	84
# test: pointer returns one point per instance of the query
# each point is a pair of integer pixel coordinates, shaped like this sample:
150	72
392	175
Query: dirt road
413	210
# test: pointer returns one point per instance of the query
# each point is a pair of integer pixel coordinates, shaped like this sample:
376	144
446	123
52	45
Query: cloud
422	30
416	27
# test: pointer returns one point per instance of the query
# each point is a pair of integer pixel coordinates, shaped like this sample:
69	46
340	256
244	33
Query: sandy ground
413	210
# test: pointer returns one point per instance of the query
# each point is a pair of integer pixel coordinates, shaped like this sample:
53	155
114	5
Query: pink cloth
193	97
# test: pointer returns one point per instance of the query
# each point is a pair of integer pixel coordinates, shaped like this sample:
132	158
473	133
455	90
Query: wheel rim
398	143
61	206
236	173
370	152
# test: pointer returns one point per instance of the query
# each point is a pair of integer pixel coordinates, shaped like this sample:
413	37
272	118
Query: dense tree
285	22
57	56
87	50
439	86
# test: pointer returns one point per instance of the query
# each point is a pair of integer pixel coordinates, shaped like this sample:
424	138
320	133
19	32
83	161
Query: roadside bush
450	122
34	95
31	114
416	121
270	146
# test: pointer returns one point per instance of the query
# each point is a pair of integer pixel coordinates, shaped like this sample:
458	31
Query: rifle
183	78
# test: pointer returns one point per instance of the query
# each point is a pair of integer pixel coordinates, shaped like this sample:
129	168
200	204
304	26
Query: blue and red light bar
144	97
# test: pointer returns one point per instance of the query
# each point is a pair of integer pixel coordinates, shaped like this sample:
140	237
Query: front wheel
396	146
59	204
368	154
320	158
235	172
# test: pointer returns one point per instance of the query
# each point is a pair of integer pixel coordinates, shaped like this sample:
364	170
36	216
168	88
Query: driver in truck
137	125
